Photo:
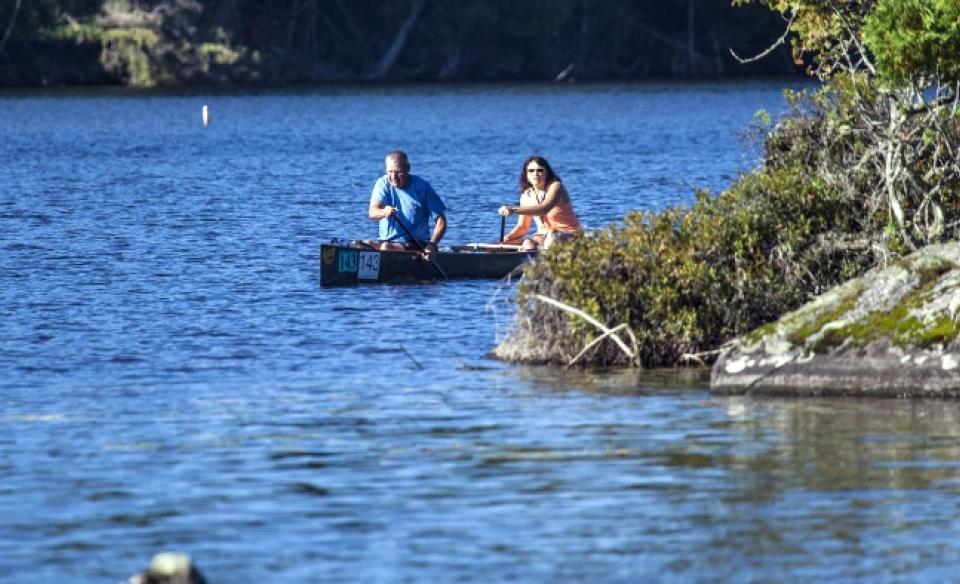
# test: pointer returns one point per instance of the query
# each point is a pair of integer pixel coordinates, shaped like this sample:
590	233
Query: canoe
344	263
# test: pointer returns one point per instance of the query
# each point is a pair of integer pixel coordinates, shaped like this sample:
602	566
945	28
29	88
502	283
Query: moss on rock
893	331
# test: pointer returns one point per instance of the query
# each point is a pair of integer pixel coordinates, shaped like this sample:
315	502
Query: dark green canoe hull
344	264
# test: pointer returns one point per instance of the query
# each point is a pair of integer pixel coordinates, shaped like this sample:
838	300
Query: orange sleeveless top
562	217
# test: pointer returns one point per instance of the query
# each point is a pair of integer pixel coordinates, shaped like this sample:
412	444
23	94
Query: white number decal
369	268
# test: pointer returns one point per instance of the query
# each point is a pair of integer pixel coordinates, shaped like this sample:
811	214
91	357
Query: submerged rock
892	332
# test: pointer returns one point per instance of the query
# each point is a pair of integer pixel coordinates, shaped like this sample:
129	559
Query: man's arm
439	229
378	210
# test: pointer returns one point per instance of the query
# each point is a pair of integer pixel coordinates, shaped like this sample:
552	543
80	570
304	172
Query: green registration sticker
348	262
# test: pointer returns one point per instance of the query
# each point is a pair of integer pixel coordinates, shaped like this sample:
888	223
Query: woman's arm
554	195
519	230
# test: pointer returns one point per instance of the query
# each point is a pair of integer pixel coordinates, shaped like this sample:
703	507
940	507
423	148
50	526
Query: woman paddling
543	198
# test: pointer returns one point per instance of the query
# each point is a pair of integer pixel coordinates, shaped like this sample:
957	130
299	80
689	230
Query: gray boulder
891	333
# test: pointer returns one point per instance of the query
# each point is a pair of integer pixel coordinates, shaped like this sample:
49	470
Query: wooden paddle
396	217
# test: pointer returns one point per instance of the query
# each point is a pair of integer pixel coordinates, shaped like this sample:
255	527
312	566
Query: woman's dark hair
524	183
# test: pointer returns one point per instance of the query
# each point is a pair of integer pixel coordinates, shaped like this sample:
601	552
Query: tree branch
390	57
770	49
855	38
10	27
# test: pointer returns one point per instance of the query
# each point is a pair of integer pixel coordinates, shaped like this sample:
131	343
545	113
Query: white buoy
206	117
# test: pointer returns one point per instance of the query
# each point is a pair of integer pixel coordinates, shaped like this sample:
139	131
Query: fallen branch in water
594	342
698	357
612	333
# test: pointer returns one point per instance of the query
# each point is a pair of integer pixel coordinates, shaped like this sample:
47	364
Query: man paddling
403	204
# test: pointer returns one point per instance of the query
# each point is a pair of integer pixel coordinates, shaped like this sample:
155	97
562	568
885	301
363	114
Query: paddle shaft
396	217
503	227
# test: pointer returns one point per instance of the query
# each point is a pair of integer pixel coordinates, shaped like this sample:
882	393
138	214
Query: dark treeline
175	42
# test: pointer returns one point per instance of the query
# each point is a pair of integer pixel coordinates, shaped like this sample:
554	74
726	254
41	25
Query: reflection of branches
825	445
10	27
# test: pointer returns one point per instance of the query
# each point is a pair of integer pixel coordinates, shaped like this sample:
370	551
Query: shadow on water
619	381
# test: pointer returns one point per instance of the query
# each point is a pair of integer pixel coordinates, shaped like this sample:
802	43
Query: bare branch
609	332
780	41
855	38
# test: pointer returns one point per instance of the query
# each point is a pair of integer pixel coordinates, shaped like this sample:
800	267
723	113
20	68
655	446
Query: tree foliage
915	39
353	40
893	68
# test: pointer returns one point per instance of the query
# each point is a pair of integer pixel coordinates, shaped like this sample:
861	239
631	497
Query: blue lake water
173	376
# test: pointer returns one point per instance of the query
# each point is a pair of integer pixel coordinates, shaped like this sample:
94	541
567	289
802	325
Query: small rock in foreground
169	568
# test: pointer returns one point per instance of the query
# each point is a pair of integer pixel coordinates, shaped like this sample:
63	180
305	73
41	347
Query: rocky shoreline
891	333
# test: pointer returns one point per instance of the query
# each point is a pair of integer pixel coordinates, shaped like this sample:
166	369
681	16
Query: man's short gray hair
400	157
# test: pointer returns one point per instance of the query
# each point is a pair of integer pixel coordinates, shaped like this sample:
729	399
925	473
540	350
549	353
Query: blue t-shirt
415	204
